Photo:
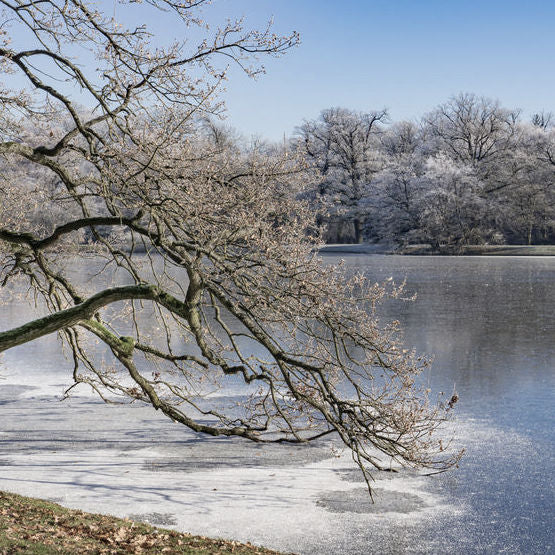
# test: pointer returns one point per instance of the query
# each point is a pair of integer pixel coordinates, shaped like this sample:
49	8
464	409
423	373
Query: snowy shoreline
130	461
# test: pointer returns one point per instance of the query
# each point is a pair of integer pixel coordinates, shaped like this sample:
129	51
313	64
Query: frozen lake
489	321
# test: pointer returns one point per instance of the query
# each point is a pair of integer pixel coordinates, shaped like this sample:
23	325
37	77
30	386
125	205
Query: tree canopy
205	247
469	172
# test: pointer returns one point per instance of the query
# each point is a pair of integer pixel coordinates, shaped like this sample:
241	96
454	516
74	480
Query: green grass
38	527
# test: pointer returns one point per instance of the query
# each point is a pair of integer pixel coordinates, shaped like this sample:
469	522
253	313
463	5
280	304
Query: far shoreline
427	250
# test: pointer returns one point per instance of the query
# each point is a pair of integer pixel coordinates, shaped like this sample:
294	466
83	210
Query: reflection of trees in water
486	339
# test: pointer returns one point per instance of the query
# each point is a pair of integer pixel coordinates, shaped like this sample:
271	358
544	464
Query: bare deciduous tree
474	129
215	250
472	174
529	200
544	120
344	147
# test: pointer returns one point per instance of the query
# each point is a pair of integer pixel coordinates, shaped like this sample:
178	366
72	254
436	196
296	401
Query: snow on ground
130	461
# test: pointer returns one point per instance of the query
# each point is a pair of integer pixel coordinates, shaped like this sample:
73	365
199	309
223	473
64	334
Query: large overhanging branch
74	315
69	227
225	282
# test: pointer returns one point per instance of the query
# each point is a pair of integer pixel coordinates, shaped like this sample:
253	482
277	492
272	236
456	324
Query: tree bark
72	316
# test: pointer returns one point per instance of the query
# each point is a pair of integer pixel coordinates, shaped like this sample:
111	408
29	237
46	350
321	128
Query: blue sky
406	55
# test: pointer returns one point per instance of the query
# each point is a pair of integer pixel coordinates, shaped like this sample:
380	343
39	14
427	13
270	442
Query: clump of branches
206	254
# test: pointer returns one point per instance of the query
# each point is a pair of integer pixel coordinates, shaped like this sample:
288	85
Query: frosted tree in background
394	203
473	130
344	147
527	195
470	173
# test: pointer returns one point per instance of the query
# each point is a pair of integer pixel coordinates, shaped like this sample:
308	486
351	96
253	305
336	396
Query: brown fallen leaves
34	526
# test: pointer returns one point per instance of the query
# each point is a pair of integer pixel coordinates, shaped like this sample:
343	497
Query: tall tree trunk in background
530	228
358	230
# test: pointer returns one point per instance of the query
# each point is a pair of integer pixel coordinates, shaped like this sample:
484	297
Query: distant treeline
469	172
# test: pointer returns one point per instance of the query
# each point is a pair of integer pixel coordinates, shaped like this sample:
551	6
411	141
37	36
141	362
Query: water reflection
489	321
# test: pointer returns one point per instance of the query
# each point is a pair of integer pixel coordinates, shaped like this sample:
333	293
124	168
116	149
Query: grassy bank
39	527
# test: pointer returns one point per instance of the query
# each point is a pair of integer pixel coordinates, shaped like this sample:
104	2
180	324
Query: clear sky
406	55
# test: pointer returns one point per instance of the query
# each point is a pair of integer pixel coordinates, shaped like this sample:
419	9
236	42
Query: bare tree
508	196
394	202
474	130
344	147
528	204
214	252
544	120
396	205
452	211
402	139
